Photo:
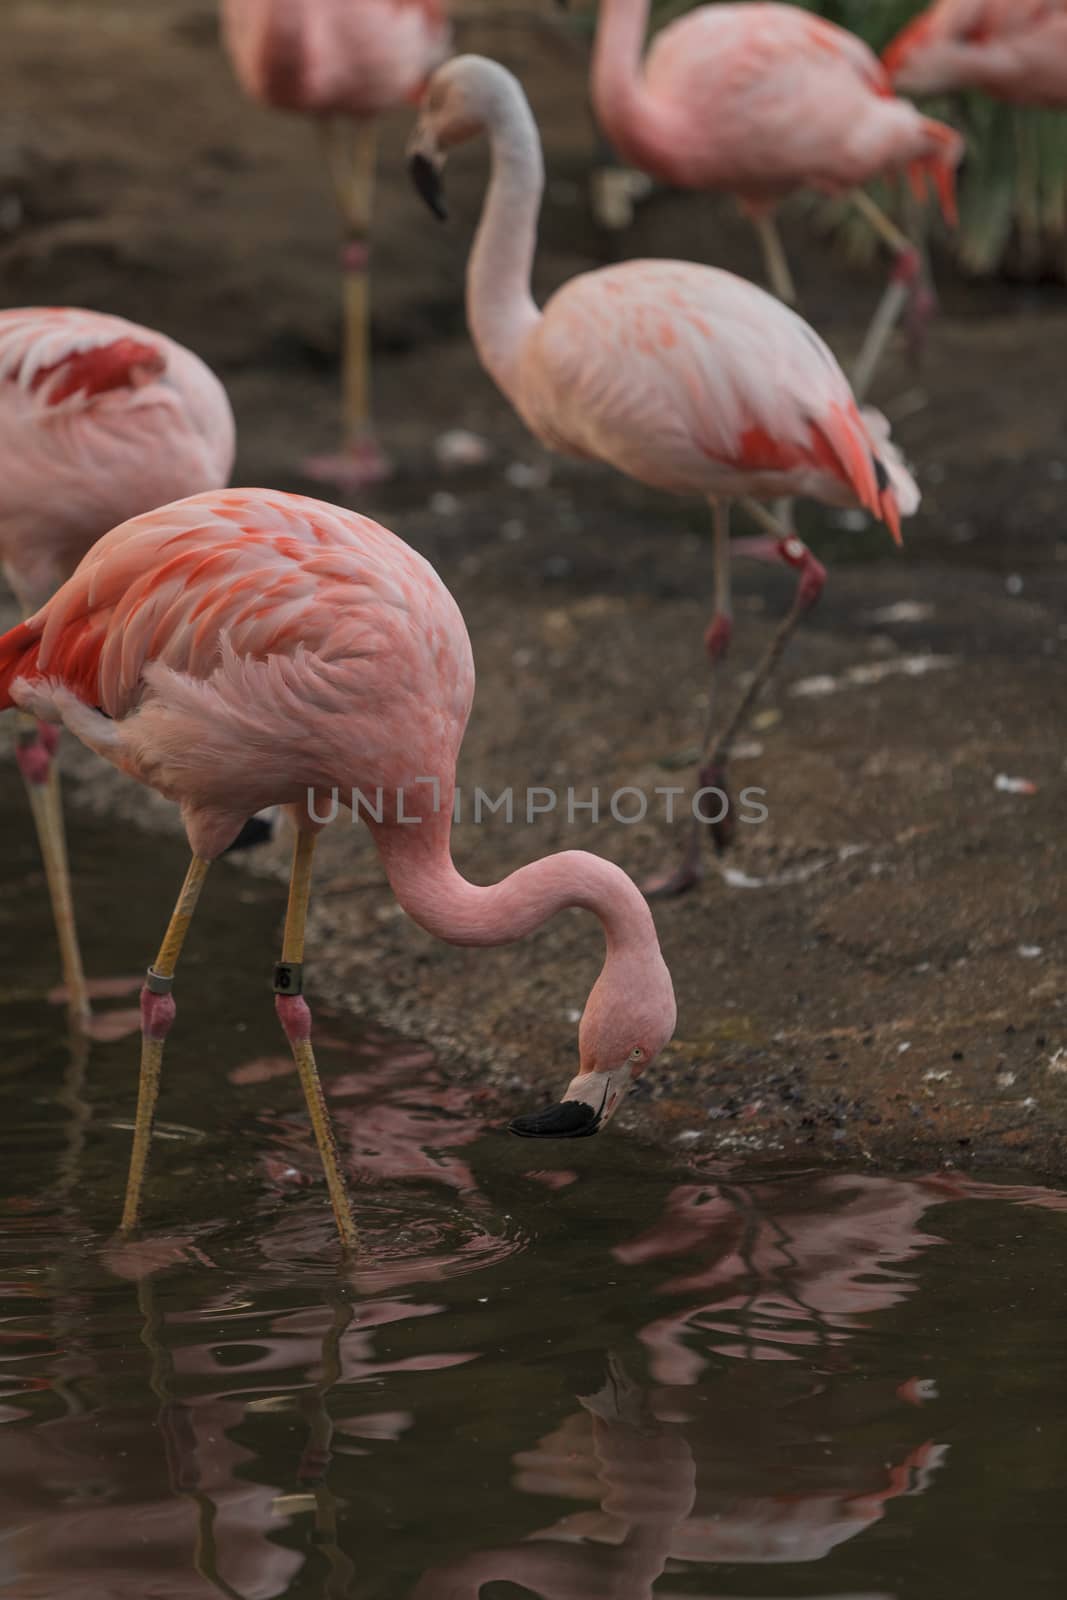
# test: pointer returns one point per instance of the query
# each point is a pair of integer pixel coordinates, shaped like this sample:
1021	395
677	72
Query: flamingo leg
295	1017
775	260
35	753
717	636
350	150
908	287
712	778
157	1018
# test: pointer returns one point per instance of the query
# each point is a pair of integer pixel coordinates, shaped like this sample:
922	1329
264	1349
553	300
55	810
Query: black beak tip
427	180
570	1119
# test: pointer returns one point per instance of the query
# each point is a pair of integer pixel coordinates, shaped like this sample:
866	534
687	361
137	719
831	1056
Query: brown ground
907	997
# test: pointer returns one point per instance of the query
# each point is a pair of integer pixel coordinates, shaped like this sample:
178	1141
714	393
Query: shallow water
571	1371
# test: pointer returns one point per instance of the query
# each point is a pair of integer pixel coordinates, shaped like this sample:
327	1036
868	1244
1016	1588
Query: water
572	1371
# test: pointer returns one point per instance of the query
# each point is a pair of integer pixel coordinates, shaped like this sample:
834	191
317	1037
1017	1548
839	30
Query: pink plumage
352	58
759	99
1013	49
685	377
696	381
99	419
248	648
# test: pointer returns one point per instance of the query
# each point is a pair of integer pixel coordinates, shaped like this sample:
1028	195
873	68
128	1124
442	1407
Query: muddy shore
881	976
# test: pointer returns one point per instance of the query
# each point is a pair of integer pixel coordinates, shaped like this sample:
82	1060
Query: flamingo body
247	648
353	58
1012	49
696	381
759	99
99	419
238	649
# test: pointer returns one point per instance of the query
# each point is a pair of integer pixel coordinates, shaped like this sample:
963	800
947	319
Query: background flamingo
1013	49
761	100
247	648
99	419
343	62
684	377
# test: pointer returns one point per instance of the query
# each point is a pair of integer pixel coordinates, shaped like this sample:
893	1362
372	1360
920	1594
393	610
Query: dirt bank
890	981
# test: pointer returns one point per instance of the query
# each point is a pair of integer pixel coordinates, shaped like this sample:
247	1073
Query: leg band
289	977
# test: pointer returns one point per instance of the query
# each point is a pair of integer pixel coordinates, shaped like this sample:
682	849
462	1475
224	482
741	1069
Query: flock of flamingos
242	648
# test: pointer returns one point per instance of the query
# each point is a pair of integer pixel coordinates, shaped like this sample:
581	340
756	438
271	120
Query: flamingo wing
250	574
692	379
54	357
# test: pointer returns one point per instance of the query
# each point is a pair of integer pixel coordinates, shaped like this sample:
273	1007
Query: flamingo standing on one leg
685	377
761	100
1015	50
246	648
99	419
343	62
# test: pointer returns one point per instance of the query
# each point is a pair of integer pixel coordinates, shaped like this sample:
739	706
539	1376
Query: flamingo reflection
773	1272
665	1501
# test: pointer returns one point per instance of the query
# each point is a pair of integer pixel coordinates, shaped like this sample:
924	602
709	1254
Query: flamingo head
462	99
628	1018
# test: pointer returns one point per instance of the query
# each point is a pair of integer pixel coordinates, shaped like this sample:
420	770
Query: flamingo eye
637	1054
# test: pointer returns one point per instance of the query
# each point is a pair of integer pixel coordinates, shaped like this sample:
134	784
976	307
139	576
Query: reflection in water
662	1500
218	1414
779	1273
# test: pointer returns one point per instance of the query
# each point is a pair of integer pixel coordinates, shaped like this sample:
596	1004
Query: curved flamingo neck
426	882
500	308
642	128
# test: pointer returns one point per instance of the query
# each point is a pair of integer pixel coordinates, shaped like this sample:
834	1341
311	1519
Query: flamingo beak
590	1102
425	167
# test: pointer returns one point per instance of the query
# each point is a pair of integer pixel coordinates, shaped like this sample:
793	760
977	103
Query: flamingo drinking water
1015	50
763	99
247	648
99	419
684	377
343	62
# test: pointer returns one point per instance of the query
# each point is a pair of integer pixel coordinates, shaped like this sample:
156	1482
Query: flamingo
343	62
684	377
761	100
99	419
1012	49
246	648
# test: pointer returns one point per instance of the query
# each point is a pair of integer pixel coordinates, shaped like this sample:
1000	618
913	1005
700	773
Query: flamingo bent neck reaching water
685	377
250	648
99	419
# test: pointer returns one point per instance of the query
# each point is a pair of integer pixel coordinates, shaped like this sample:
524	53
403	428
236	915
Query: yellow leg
157	1014
775	260
350	149
47	807
295	1018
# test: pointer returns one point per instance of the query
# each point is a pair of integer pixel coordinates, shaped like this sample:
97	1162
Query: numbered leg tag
289	977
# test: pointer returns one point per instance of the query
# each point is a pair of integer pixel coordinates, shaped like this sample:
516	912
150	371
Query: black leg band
289	977
155	983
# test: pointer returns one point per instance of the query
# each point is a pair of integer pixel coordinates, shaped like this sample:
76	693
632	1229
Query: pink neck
643	129
418	861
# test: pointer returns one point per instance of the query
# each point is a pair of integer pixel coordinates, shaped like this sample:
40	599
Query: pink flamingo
685	377
761	100
343	62
99	419
247	648
1013	49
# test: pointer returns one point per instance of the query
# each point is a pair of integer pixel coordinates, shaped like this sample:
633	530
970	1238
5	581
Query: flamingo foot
688	874
358	466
